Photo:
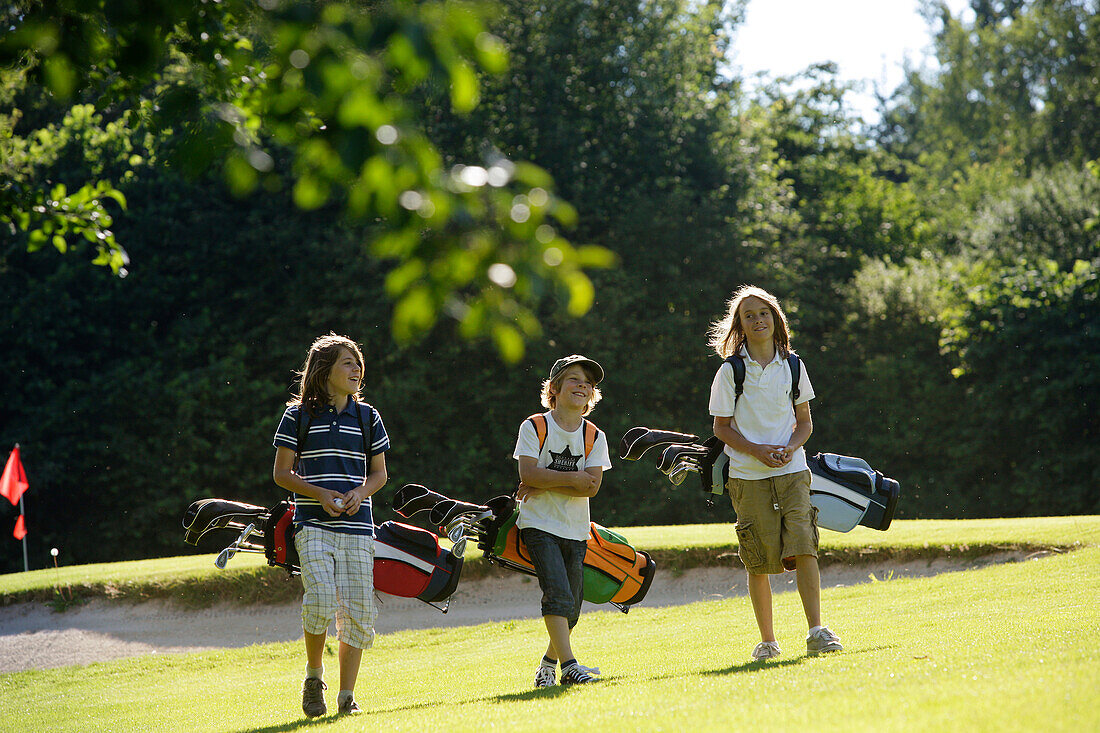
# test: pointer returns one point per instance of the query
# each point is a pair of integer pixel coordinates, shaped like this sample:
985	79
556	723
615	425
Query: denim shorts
559	564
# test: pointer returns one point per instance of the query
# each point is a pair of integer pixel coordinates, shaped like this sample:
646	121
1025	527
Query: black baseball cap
567	361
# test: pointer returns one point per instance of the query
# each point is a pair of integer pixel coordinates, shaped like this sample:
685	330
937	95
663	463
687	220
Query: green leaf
413	315
310	193
509	342
464	91
581	293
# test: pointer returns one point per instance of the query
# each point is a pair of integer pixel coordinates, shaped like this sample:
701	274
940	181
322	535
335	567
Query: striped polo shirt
334	459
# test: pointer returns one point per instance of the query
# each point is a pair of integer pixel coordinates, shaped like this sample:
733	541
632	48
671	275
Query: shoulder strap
590	433
738	365
796	374
538	420
303	432
364	433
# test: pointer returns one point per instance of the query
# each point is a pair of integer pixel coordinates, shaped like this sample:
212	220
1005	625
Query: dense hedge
954	348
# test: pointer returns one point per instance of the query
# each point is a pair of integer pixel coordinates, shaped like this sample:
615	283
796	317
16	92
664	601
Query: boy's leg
548	555
760	593
315	649
809	588
315	552
558	629
350	659
356	611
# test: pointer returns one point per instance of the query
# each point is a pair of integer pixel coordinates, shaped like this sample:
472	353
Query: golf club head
680	471
671	455
459	548
456	531
638	440
223	558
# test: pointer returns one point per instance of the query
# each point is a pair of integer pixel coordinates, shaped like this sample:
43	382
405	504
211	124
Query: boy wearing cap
562	457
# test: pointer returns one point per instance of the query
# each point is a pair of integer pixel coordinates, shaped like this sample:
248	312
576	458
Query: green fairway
1004	648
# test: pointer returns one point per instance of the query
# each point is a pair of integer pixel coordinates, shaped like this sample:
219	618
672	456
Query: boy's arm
374	481
804	426
570	483
283	475
769	455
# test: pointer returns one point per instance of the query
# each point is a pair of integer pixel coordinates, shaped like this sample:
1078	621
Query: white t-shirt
764	412
558	514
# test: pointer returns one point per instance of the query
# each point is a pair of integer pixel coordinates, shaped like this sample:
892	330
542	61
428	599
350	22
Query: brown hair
727	335
313	378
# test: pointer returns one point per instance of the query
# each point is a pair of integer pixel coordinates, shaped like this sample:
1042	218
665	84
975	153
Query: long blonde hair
727	335
312	392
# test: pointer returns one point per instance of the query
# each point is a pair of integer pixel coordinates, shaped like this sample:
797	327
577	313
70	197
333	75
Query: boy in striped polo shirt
333	473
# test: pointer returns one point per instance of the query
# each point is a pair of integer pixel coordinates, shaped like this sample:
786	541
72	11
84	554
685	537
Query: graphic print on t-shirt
564	461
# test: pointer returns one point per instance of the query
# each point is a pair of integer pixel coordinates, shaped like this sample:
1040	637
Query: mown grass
1005	648
193	580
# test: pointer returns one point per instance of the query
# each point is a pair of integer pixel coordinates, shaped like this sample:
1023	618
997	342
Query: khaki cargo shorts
775	521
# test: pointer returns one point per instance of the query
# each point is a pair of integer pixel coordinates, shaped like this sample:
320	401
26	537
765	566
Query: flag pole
23	514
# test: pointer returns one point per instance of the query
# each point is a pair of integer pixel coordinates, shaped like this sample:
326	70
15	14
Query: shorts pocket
748	546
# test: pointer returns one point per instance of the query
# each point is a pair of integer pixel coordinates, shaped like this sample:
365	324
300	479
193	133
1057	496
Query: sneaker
765	650
349	707
545	676
313	697
575	674
822	641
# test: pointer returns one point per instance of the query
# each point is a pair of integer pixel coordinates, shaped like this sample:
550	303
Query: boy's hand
332	502
525	490
352	500
583	480
772	456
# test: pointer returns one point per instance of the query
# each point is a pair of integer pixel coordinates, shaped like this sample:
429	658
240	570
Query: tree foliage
940	274
312	96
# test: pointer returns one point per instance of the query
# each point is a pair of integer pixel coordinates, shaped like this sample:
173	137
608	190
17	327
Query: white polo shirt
764	412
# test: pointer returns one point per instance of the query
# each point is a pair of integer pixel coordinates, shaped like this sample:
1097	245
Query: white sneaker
545	676
765	650
822	641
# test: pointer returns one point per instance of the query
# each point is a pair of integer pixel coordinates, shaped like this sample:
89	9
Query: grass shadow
754	666
536	694
295	725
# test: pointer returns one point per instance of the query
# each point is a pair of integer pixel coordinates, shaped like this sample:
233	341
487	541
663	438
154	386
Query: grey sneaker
822	641
575	674
765	650
313	697
349	707
545	676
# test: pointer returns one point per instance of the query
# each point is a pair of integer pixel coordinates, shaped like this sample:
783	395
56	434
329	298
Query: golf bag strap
738	365
303	433
590	432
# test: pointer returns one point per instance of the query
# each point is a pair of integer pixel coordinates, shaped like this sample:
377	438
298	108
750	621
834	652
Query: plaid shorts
338	582
775	521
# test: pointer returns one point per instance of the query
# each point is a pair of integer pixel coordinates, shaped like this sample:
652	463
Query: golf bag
408	561
614	572
845	490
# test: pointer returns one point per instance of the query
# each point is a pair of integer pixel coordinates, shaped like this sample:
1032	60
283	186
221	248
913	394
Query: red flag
14	482
20	528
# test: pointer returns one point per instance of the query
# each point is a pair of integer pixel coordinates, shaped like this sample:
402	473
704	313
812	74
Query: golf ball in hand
339	503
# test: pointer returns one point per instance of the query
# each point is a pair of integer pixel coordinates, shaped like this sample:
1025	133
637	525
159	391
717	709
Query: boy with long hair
338	466
769	480
562	457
